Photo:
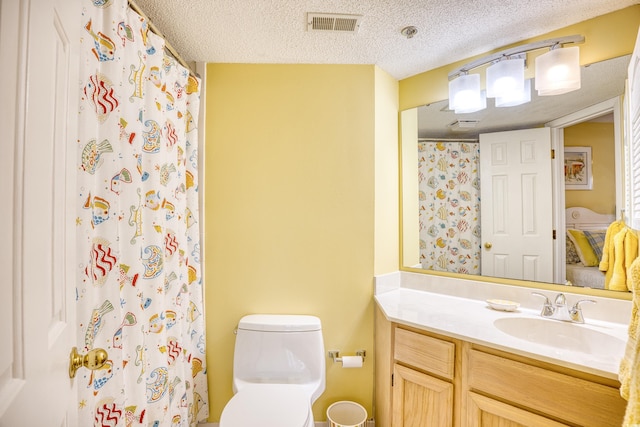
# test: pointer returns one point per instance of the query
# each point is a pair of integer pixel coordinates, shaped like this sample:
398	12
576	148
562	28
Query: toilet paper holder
335	355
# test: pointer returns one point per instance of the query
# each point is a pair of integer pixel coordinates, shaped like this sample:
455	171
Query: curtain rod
447	140
167	45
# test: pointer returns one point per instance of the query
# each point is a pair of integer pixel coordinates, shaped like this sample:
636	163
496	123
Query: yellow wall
291	177
600	137
301	196
410	206
387	238
607	36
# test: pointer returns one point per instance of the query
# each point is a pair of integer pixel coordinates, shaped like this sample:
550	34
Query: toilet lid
269	405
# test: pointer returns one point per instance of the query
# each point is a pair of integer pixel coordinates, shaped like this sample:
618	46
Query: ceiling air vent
463	125
333	22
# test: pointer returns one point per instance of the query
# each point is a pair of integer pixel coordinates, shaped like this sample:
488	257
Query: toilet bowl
278	371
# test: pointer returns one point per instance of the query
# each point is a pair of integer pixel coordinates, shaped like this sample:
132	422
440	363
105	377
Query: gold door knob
94	359
488	245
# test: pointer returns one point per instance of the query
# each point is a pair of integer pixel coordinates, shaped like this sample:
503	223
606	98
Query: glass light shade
558	71
505	77
516	98
465	95
477	105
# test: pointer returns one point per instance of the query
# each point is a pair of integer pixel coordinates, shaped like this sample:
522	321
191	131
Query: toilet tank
279	349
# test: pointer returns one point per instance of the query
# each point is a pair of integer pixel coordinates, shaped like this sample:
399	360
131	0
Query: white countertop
472	320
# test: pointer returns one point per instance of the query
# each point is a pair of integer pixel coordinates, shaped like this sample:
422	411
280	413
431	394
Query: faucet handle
547	308
546	299
576	306
576	313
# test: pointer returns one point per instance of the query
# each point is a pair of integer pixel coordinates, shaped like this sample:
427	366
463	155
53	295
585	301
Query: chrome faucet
559	310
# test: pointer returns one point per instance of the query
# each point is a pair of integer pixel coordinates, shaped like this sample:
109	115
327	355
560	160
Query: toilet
278	371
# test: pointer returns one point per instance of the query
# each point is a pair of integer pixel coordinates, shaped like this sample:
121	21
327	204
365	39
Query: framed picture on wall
577	168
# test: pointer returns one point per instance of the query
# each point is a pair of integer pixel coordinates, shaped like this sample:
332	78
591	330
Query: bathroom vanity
442	361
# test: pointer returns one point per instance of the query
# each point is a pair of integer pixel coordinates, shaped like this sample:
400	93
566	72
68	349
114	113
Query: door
516	205
633	130
39	65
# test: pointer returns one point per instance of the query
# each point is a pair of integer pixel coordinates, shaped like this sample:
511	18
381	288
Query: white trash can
346	414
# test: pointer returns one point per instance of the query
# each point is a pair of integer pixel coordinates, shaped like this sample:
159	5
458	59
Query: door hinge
554	234
553	154
391	380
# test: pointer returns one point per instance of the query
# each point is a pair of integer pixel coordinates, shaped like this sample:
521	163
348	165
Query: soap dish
503	305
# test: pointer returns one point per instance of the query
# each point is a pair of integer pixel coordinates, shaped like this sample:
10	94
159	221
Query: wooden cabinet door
420	400
483	411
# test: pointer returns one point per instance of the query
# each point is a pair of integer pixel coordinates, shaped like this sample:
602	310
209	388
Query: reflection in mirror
455	223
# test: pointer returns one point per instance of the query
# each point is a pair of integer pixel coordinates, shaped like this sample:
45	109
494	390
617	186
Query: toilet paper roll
352	361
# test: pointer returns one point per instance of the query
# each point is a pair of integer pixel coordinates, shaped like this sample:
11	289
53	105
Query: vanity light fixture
516	97
505	77
465	95
558	71
464	89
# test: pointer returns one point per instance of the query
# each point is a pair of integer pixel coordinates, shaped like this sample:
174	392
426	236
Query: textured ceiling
274	31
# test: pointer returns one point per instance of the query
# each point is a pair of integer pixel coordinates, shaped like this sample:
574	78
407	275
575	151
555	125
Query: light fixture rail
549	43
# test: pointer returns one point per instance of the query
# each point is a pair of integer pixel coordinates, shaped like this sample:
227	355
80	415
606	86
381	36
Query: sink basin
561	335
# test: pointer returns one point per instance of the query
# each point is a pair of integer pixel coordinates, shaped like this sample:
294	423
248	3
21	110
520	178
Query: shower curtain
140	291
449	204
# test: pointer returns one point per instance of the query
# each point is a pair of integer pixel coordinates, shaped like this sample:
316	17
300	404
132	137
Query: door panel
516	204
420	399
41	63
633	129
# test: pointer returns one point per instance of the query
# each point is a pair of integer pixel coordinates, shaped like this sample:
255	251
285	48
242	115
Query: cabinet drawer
427	353
561	396
486	412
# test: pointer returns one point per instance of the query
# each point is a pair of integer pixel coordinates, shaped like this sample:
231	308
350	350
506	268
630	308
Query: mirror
432	129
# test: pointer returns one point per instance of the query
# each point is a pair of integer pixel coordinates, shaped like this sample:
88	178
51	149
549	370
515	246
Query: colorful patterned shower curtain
449	191
139	294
